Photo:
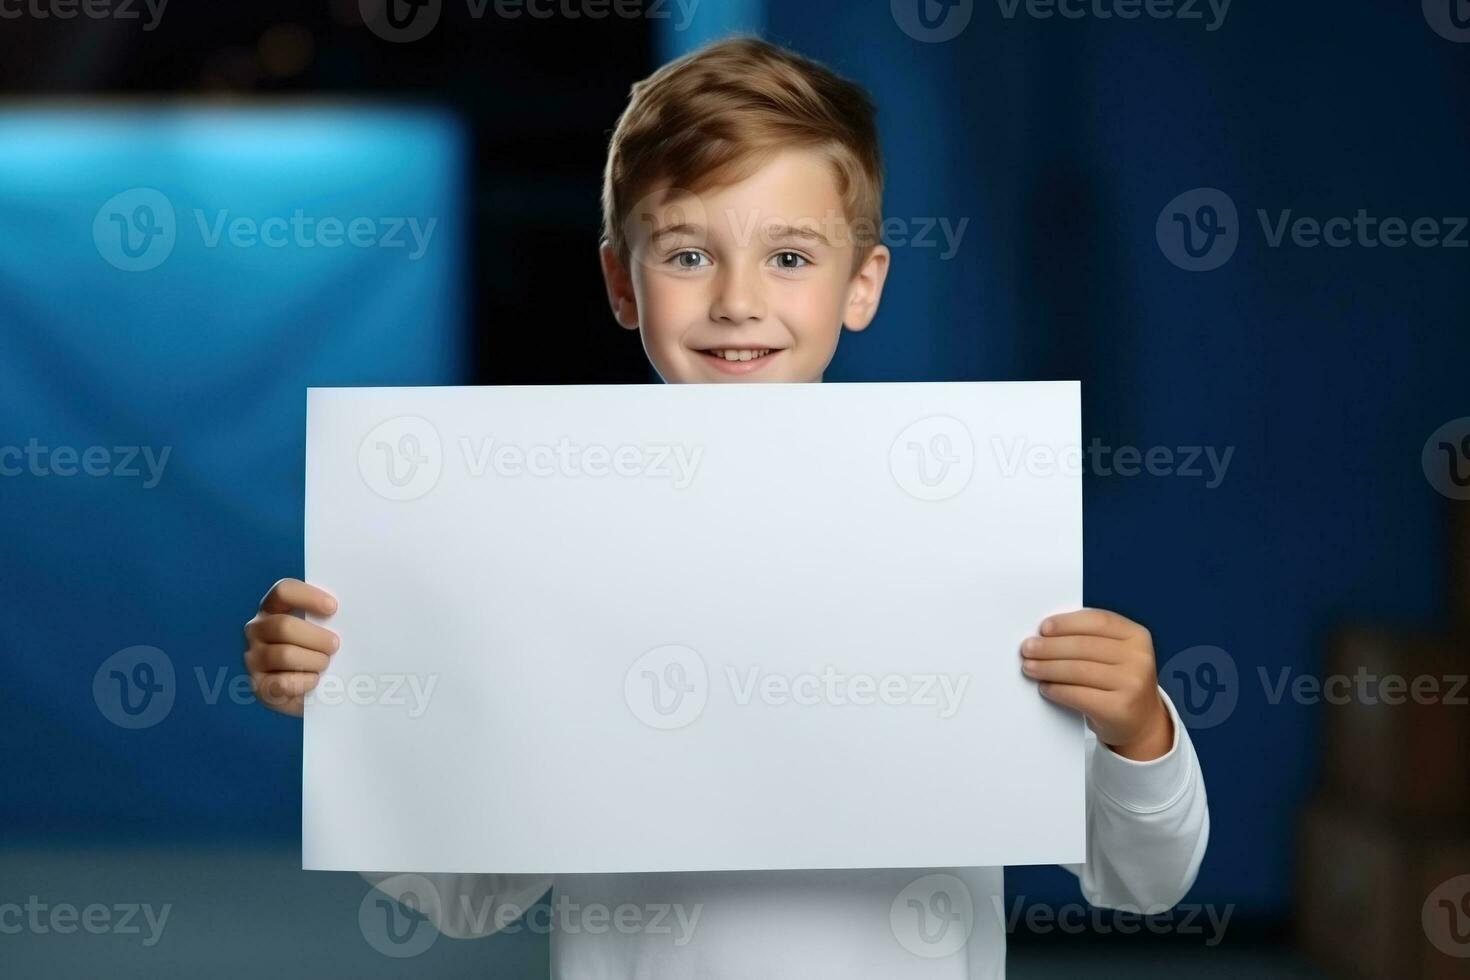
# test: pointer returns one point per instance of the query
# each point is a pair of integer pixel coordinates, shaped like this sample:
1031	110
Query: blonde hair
715	115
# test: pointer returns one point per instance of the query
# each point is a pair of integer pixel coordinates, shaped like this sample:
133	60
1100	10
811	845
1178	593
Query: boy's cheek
674	363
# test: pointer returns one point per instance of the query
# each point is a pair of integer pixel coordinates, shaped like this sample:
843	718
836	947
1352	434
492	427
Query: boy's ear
866	289
619	288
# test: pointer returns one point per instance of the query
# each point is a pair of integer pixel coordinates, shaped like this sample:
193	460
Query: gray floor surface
254	915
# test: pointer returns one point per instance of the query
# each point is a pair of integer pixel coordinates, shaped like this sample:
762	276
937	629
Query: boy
741	200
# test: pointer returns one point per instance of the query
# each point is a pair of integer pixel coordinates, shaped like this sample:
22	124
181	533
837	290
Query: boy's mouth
740	360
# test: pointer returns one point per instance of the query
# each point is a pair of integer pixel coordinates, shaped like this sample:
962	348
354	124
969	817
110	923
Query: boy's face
762	265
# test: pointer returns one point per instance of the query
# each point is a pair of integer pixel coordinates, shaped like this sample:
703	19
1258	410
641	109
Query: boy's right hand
285	654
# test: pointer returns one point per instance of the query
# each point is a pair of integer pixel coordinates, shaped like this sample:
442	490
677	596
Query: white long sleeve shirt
1147	828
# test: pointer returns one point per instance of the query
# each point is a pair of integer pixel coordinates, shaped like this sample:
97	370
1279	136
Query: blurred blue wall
200	346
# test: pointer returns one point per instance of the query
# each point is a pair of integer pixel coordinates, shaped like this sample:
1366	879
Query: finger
1092	622
1087	700
284	628
291	593
1098	648
295	707
281	687
284	656
1083	673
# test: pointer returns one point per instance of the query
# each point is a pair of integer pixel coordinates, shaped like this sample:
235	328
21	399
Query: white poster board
594	629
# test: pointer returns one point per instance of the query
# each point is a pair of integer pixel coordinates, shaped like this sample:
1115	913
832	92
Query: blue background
210	354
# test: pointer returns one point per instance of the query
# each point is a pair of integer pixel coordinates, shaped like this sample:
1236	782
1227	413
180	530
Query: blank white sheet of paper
599	629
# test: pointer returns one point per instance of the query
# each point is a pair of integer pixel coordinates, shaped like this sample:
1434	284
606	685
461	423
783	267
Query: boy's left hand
1103	665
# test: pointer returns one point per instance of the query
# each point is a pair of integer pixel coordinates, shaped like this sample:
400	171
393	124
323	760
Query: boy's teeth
741	355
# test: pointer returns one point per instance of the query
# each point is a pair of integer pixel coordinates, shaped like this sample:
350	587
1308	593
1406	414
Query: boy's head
741	207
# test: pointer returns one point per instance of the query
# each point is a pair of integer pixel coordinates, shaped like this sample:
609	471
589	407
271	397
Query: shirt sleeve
464	906
1148	824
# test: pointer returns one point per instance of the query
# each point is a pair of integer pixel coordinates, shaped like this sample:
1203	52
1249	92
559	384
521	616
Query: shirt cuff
1146	787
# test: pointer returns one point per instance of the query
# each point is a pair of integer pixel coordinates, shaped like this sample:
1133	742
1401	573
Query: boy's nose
738	298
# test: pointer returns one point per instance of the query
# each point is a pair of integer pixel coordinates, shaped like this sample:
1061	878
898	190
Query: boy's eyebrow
672	231
771	233
777	233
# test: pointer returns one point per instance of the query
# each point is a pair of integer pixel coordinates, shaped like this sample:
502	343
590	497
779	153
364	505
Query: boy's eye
691	259
678	258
